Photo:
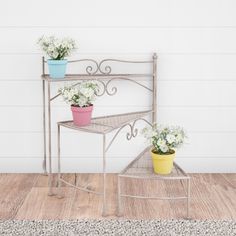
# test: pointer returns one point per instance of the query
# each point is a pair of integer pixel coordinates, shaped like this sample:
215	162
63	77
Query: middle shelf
106	124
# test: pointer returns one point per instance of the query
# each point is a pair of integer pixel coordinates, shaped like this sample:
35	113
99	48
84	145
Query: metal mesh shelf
106	124
142	167
74	77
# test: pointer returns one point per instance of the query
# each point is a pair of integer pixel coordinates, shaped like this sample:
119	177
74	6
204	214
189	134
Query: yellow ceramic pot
162	164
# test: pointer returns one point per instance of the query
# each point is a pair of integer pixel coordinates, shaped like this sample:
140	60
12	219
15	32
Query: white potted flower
57	49
81	99
165	140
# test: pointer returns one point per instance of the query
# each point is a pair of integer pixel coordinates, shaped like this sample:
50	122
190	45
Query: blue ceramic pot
57	68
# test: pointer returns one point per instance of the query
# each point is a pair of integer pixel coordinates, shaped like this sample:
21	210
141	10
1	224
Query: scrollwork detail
90	69
101	67
132	133
107	69
105	89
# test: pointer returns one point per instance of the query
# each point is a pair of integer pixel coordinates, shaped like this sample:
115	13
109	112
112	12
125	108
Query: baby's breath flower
83	95
57	49
164	138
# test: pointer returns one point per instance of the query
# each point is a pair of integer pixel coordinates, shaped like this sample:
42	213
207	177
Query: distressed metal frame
102	73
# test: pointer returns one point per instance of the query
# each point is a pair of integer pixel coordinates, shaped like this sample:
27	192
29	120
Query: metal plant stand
141	169
102	72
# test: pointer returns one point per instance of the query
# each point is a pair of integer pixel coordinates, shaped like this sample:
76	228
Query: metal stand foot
50	192
45	168
59	194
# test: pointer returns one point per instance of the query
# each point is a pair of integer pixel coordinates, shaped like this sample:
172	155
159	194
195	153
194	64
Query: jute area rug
118	227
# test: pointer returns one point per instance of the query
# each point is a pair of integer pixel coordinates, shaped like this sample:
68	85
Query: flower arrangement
164	138
55	48
83	95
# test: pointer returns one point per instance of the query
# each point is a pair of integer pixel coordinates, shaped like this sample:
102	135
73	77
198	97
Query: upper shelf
74	77
106	124
88	68
142	168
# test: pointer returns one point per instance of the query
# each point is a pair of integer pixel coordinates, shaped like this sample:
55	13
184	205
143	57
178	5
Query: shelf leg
104	176
183	183
188	198
119	207
44	133
75	182
154	95
59	194
50	193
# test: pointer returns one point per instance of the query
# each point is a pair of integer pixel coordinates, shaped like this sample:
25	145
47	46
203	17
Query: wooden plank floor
24	196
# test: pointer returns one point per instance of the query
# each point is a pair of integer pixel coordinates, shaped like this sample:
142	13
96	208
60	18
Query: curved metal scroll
131	134
90	69
105	89
106	69
113	90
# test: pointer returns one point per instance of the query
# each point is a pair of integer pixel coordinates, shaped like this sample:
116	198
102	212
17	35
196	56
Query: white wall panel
125	40
198	93
170	93
114	165
29	119
105	13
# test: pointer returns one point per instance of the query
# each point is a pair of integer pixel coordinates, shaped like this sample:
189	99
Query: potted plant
81	99
165	140
57	49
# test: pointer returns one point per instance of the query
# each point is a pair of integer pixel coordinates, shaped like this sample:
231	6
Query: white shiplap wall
195	42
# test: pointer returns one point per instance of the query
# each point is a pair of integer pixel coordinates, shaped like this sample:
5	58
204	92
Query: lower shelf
141	167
